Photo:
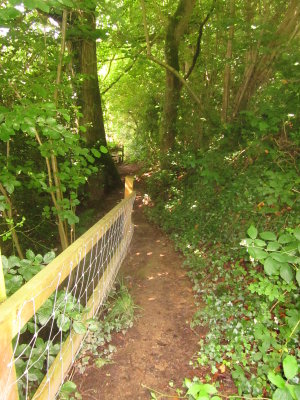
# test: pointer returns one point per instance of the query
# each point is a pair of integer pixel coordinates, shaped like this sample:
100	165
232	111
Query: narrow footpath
158	348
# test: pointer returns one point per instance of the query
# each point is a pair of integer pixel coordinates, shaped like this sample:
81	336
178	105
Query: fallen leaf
222	368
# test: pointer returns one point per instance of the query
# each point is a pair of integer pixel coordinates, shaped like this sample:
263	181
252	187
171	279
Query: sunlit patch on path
158	348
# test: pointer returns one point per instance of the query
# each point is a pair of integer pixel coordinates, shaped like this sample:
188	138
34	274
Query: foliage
224	173
68	391
207	202
67	313
62	307
17	272
44	157
117	316
200	391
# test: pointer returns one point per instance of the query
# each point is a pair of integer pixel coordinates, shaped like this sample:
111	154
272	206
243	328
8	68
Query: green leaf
257	254
79	327
90	158
290	367
260	243
210	389
44	314
93	326
271	266
3	206
48	257
286	273
9	13
9	187
30	255
252	232
100	362
71	217
33	4
298	276
13	261
282	394
4	263
195	389
96	153
202	396
103	149
268	235
277	380
263	126
188	382
43	6
283	239
297	233
257	356
38	259
297	391
32	377
292	318
280	257
67	3
68	387
63	322
273	246
82	129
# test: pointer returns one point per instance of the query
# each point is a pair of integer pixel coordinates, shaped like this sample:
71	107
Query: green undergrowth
235	217
117	315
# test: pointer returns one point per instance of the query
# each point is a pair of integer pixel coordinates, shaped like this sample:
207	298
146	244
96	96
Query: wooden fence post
128	186
8	376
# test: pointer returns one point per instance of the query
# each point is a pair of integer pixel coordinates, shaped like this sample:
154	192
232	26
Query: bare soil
160	345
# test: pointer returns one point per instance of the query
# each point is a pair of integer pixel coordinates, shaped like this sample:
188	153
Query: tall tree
258	69
176	28
82	44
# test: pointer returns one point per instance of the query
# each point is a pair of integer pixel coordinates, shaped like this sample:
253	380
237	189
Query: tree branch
161	63
120	76
109	67
127	69
198	45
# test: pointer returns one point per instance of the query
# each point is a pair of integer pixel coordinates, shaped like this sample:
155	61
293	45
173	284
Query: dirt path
158	348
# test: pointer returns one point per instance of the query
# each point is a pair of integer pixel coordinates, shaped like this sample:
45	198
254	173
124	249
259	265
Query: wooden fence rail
17	310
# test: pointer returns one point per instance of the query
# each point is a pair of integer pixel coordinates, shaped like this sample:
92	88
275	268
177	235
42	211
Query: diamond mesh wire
54	328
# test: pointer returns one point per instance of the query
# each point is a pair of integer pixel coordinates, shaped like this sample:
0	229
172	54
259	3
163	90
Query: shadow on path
158	348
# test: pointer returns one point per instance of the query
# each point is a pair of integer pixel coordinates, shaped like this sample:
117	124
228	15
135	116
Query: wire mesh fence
43	324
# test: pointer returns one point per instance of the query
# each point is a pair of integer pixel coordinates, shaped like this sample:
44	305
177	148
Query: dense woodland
206	94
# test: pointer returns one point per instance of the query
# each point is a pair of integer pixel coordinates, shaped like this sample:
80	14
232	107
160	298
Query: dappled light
164	134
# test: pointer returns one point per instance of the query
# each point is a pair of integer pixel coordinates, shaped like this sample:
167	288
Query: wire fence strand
48	317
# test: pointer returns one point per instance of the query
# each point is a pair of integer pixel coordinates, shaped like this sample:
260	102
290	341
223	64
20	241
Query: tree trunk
175	30
259	68
84	53
227	71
